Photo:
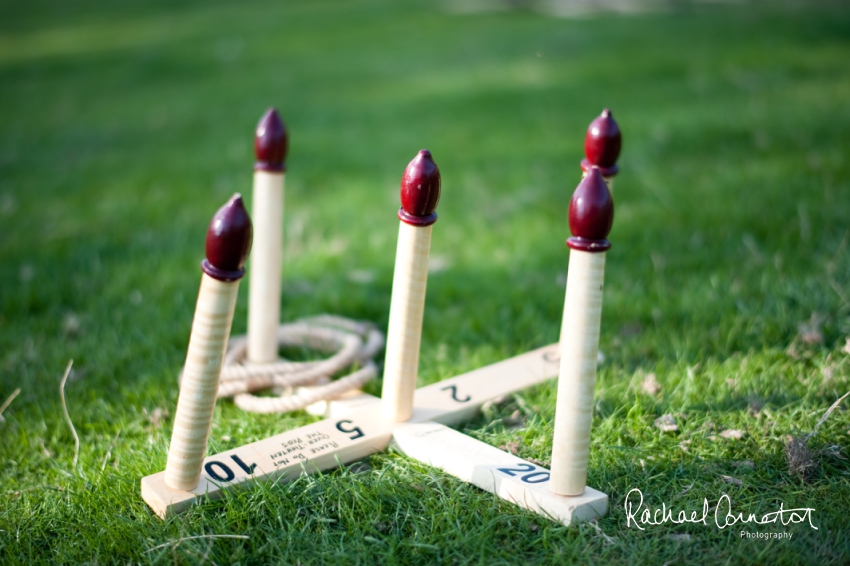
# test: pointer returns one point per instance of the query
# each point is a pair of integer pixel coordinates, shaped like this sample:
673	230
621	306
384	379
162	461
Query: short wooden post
591	216
227	246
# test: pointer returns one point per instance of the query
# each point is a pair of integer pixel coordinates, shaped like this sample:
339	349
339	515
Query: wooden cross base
508	476
357	430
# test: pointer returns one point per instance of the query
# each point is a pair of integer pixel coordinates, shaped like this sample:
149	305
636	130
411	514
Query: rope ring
351	342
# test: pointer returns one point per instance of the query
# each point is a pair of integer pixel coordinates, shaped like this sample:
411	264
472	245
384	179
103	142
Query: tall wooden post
420	192
602	147
270	146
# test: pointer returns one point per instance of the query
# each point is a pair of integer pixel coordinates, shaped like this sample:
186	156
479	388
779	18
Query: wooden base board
343	405
498	472
480	464
340	440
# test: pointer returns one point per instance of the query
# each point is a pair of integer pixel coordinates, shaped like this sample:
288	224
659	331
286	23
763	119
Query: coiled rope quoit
352	343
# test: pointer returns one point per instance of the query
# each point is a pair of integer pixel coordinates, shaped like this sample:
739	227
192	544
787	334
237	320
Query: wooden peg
227	246
602	147
270	146
420	192
591	217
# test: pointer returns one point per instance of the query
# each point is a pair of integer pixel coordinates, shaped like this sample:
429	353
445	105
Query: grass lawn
124	126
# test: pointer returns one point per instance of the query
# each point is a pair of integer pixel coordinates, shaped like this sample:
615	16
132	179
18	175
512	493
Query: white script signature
723	515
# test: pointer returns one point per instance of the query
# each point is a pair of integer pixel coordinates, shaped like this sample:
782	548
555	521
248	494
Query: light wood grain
342	405
309	449
450	402
405	327
508	476
199	385
264	267
577	378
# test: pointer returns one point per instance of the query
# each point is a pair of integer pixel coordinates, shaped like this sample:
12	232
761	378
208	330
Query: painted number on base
453	389
222	472
213	468
356	429
248	469
524	469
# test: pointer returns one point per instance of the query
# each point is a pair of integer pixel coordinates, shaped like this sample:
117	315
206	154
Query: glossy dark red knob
602	144
420	191
228	241
271	142
591	214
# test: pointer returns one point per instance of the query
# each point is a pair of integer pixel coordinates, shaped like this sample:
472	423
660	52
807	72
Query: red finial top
228	241
602	144
271	142
420	191
591	214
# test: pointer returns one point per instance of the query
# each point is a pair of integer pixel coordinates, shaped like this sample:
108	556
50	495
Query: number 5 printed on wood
355	429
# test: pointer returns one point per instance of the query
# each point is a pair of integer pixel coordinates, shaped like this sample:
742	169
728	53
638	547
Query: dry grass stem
67	416
109	451
8	402
174	543
826	414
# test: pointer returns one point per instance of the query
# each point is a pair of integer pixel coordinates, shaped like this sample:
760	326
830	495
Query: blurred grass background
124	126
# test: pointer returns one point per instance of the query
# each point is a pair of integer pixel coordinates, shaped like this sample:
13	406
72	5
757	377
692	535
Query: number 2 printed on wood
453	389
